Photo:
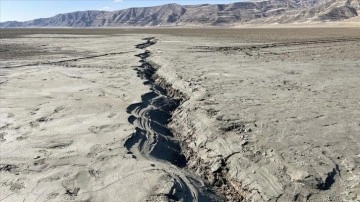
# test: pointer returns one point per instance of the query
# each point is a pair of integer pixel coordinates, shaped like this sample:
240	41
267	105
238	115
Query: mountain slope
318	10
267	11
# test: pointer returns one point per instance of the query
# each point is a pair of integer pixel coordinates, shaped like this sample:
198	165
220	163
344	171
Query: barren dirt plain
248	114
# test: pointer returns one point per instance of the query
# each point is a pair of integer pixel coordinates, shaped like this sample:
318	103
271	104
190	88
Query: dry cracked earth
255	114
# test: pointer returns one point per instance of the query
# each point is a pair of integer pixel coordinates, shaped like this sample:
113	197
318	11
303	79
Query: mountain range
250	12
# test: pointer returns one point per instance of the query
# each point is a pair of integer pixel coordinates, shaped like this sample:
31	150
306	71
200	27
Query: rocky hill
266	11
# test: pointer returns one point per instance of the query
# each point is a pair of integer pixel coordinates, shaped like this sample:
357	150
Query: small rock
244	142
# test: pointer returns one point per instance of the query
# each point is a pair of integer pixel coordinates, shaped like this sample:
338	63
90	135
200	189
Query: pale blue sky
21	10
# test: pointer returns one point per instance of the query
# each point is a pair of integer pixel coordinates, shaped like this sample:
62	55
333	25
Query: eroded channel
150	117
152	138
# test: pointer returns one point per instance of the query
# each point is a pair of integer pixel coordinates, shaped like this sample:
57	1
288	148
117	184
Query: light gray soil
264	115
276	120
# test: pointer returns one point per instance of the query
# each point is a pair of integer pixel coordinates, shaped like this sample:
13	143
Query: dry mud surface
185	115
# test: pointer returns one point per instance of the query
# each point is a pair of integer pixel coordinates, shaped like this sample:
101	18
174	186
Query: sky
22	10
